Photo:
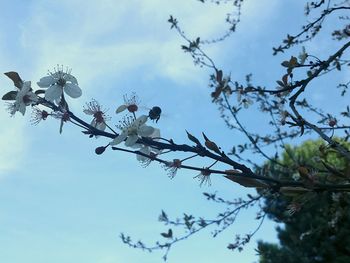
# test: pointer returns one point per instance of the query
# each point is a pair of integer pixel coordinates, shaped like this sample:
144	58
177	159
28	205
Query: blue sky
59	202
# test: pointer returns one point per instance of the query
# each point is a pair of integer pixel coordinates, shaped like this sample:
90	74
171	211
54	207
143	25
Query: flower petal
100	126
23	92
53	93
145	130
145	150
58	100
71	78
141	158
155	134
140	120
137	146
131	140
121	108
88	112
93	123
46	82
12	107
57	74
26	86
121	137
22	108
72	90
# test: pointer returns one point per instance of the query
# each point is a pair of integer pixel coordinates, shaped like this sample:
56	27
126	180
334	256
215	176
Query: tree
315	224
287	107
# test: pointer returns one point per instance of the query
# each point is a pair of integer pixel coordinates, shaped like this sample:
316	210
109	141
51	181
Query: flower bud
100	150
332	122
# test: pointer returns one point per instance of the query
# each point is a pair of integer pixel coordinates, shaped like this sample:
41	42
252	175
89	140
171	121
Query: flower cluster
60	82
53	87
133	129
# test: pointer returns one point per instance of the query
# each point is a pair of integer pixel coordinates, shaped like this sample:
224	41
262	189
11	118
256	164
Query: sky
59	201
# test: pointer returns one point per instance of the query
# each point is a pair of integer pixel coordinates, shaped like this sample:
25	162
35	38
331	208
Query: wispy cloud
111	36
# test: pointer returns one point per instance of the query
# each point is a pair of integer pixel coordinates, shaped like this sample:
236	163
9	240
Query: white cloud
107	36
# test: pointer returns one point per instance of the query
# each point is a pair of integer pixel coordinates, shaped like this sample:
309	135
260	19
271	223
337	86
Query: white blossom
147	149
130	103
38	115
24	98
204	177
172	167
132	129
58	82
99	116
